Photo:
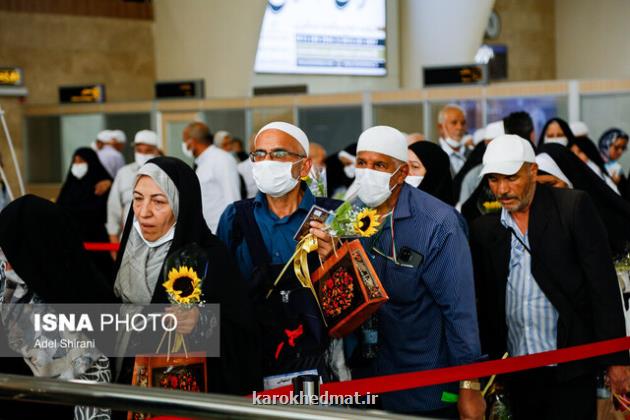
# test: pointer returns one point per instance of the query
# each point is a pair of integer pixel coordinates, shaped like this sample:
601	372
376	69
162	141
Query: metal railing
171	402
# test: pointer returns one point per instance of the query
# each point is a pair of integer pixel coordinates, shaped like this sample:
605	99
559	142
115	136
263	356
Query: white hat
219	136
346	155
119	136
494	130
506	154
479	135
291	130
146	137
105	136
385	140
547	164
579	128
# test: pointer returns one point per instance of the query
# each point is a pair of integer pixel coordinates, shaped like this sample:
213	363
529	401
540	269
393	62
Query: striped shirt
531	318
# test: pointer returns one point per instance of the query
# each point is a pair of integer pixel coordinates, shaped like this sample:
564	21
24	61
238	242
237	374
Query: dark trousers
537	394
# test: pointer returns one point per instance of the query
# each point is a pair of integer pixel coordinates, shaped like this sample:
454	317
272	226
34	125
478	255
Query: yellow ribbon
300	267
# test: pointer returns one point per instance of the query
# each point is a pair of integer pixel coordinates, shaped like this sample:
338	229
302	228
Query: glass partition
601	112
332	127
541	109
405	117
474	116
43	149
130	124
78	131
232	120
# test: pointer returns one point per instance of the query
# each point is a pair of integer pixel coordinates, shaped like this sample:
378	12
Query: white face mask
274	178
168	236
186	151
79	170
414	180
349	171
374	186
453	143
142	158
558	140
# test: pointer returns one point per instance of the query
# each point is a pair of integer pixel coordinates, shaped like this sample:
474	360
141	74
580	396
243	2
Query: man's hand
324	240
186	319
619	379
471	405
102	187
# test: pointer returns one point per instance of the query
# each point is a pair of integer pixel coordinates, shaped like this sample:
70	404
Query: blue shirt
430	320
277	233
532	320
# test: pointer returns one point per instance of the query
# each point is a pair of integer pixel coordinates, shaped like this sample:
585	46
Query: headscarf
79	193
335	175
437	181
613	210
237	371
565	129
546	165
43	245
141	261
608	138
590	150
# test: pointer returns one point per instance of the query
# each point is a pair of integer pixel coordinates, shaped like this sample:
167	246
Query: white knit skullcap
291	130
385	140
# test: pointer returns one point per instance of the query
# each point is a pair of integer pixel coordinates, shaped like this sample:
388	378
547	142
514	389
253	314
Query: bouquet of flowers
316	181
184	272
352	219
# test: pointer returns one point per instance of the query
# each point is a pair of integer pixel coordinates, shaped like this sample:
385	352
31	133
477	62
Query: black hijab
237	371
43	245
78	194
568	133
614	211
335	175
591	151
437	181
474	159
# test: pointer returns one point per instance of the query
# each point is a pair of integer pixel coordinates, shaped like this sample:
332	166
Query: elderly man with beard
545	281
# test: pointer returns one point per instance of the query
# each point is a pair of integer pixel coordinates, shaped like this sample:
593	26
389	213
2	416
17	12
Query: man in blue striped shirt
422	258
545	280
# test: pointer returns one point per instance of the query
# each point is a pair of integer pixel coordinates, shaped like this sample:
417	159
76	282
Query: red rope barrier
403	381
100	246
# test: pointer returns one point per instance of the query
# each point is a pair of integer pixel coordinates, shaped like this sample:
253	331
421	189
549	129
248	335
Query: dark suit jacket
572	264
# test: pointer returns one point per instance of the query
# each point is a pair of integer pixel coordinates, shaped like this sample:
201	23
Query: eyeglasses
276	154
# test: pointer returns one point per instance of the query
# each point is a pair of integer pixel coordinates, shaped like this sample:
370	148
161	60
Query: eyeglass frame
252	155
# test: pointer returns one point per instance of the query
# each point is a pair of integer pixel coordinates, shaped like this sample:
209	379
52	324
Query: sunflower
366	222
183	285
491	206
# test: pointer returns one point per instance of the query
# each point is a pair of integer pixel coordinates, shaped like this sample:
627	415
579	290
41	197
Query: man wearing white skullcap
421	256
261	234
109	156
216	169
545	281
145	146
119	138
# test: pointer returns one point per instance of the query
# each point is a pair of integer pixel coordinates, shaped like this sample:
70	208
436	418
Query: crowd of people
509	246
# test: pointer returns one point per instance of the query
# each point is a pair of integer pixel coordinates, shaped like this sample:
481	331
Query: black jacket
572	264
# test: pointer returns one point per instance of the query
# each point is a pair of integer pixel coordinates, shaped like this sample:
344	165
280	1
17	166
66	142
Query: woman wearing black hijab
588	153
83	197
431	162
556	130
165	217
340	174
42	260
614	210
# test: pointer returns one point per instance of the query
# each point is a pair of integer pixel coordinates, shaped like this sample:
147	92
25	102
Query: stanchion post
306	386
12	149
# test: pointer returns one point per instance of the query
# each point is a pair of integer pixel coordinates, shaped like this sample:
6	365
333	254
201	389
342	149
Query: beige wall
592	39
56	50
208	39
528	31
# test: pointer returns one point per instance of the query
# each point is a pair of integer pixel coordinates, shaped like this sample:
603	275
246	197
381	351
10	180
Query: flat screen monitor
342	37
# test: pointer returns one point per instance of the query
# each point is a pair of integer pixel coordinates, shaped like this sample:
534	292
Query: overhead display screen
323	37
